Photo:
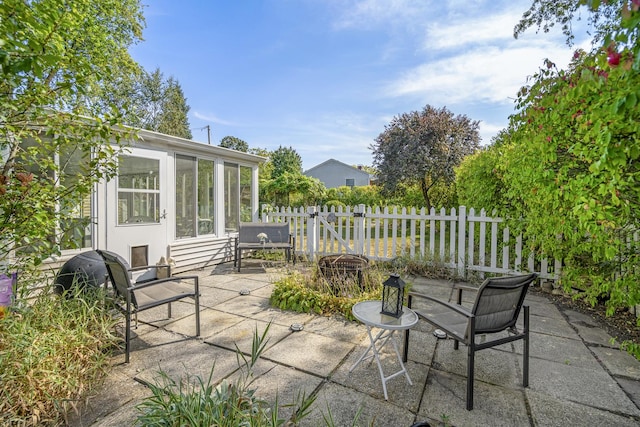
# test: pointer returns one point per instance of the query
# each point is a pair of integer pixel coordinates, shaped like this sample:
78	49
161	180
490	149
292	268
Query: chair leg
470	374
525	352
405	350
197	302
471	353
127	336
169	311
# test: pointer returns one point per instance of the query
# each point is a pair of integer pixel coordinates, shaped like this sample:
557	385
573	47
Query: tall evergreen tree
174	109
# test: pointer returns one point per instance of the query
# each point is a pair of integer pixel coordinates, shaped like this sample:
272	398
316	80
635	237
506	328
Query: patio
576	376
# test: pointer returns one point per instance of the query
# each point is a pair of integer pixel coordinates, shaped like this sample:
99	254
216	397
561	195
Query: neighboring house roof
334	173
330	162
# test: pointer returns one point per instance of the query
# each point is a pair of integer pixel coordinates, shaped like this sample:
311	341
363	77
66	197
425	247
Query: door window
138	190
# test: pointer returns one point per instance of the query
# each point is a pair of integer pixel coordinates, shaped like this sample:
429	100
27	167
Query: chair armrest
461	288
465	287
147	267
455	307
167	279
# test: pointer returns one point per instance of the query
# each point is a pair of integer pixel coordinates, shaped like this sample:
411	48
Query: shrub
308	291
51	354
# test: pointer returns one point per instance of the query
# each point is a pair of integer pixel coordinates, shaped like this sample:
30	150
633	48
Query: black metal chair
151	293
496	308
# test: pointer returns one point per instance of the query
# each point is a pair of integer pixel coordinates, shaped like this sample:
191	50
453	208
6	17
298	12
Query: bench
254	236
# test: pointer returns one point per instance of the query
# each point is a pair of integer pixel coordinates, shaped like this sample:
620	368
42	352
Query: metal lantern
392	296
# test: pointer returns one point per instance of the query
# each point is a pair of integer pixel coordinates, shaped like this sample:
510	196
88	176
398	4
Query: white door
137	207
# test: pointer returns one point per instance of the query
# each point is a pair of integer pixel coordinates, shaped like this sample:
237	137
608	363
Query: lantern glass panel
393	296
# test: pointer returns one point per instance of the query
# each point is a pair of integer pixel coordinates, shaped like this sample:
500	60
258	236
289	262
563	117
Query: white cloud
478	30
368	14
487	74
213	119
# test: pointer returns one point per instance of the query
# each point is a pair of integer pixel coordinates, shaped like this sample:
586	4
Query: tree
305	189
55	57
285	160
423	148
159	105
173	117
234	143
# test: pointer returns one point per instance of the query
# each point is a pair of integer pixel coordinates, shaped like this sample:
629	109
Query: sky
325	77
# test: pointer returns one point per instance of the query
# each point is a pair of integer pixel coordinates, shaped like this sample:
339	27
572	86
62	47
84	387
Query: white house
172	198
336	174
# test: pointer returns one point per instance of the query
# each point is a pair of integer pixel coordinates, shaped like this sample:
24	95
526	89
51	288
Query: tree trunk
425	193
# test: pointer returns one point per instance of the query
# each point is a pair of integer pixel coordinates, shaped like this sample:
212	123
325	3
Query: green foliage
479	181
55	58
285	160
565	172
234	143
352	196
158	104
423	148
310	292
51	354
173	119
195	402
292	189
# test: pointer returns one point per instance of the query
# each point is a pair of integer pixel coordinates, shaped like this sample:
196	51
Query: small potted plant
263	238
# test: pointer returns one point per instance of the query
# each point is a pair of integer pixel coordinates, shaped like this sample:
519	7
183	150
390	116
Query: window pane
76	225
185	196
205	197
138	190
138	173
245	194
231	197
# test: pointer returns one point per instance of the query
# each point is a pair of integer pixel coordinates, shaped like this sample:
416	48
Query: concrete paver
577	377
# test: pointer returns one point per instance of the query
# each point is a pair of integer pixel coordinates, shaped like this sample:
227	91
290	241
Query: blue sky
325	76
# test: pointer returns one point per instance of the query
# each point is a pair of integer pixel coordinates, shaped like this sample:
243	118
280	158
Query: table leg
376	355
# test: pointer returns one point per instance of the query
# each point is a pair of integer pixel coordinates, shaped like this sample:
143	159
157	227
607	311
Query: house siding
333	173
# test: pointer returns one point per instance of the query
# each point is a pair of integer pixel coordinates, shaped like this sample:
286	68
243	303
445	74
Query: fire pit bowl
341	266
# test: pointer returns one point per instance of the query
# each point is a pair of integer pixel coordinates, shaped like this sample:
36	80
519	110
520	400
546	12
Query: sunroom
172	198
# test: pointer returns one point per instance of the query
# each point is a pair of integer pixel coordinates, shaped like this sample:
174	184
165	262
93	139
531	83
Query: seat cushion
151	296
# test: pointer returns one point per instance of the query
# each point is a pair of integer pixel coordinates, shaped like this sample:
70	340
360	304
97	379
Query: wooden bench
277	235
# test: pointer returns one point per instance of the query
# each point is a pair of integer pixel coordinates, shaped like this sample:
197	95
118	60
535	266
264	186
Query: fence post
358	229
462	234
312	232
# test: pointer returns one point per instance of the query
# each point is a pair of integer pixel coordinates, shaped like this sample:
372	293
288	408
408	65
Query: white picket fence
463	241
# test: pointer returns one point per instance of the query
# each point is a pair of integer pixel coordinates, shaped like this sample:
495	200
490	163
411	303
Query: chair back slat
118	271
499	301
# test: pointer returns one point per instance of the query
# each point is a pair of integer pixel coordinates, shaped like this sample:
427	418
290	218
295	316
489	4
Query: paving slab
591	387
345	407
336	327
577	377
619	363
445	397
241	335
310	352
553	412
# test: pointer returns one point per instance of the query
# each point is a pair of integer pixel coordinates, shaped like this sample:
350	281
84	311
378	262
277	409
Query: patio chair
149	293
496	308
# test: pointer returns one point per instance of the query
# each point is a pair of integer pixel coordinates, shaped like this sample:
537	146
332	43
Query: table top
368	312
